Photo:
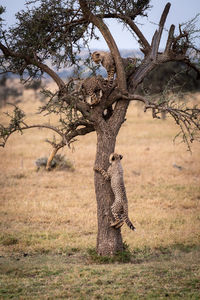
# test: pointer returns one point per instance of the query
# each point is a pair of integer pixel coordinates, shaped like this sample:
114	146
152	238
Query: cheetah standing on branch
107	61
120	206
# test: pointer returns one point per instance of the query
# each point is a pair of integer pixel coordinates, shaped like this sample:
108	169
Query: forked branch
157	35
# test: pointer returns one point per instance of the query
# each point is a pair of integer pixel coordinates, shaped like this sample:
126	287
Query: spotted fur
120	206
107	61
92	89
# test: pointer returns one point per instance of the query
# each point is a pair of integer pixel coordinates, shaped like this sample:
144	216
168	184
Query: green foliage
16	121
45	32
2	10
62	163
164	87
57	105
129	8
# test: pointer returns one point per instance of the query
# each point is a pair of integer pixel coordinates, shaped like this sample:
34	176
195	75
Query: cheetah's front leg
102	172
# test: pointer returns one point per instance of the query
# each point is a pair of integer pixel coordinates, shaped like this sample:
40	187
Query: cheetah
93	88
107	61
119	208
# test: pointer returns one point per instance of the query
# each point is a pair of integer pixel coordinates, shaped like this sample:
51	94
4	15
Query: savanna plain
48	222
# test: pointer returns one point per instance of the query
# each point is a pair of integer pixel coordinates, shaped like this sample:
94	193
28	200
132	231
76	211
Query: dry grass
48	219
42	211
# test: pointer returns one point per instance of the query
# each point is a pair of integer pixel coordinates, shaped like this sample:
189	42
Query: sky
180	11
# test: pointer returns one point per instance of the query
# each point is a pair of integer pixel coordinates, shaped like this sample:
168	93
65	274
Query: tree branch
81	131
188	119
82	107
60	83
127	19
98	22
170	39
33	61
157	35
142	40
22	128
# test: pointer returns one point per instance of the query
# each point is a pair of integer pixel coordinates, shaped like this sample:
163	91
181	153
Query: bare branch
55	149
81	131
142	40
170	39
157	35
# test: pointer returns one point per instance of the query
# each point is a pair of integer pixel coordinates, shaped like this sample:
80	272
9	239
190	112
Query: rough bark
109	240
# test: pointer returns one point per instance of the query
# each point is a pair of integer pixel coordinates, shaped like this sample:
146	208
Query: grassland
48	219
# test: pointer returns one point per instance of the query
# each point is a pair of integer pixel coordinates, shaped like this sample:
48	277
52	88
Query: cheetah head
96	57
115	157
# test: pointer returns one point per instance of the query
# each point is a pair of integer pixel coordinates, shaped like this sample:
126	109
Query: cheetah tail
130	225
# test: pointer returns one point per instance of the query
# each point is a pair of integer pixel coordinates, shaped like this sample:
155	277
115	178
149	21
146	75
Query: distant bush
59	162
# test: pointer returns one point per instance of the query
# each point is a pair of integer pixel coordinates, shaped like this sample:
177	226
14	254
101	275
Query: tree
56	31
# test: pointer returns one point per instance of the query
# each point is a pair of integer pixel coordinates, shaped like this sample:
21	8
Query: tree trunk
109	240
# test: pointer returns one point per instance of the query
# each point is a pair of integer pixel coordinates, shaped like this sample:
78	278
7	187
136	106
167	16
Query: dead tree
56	31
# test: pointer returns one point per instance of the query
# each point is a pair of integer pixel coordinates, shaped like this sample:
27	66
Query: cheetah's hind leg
117	214
120	224
117	223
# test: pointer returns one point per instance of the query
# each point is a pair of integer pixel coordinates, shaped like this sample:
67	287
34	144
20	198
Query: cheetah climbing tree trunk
109	240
